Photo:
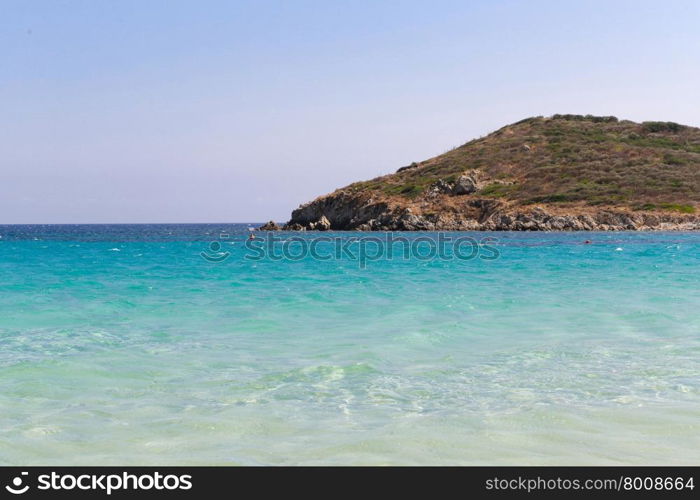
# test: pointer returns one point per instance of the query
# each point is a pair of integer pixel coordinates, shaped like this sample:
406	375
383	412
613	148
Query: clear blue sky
174	111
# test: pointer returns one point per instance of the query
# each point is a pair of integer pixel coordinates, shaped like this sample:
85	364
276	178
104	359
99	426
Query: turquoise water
121	344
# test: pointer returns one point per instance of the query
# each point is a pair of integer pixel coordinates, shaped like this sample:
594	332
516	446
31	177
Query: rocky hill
565	172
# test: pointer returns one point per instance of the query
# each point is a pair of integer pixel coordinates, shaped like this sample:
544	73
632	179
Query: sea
190	344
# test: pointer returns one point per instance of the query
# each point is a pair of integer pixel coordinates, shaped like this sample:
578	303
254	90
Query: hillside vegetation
565	159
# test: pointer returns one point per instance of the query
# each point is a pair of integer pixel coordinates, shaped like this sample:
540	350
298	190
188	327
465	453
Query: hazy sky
198	111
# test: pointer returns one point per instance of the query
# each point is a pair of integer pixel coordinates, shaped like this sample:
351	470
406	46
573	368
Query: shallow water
121	344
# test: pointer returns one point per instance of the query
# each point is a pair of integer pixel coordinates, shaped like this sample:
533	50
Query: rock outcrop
346	213
270	226
466	184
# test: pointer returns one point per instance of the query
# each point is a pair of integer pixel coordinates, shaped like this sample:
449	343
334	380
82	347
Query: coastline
341	212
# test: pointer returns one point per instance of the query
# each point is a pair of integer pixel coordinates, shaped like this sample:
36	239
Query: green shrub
685	209
588	118
645	206
654	127
497	190
552	198
674	160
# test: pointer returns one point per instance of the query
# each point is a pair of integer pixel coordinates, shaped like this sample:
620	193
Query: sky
238	111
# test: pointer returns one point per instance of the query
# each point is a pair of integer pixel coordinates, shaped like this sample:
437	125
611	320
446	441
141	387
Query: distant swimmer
587	242
251	237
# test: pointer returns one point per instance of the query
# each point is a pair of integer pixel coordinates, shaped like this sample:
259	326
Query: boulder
443	187
270	226
322	224
465	184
